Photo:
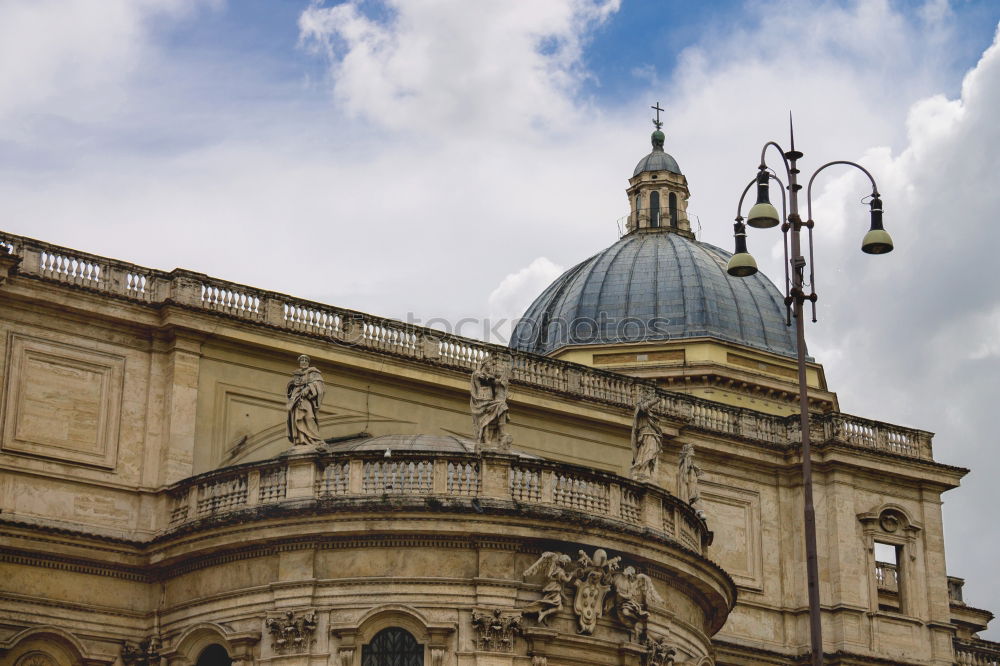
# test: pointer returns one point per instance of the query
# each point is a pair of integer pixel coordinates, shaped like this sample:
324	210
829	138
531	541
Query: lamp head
877	240
763	215
742	263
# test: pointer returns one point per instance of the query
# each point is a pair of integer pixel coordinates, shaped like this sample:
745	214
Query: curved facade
652	286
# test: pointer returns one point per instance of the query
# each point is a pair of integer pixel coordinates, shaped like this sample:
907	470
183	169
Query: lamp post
763	215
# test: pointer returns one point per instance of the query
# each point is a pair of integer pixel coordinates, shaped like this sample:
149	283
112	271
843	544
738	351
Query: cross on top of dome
657	121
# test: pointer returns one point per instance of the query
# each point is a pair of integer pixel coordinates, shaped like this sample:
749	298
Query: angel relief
597	587
633	592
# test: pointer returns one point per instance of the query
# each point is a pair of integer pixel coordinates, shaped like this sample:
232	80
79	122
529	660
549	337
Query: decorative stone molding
539	660
593	579
352	634
36	659
437	656
144	653
658	652
496	629
291	632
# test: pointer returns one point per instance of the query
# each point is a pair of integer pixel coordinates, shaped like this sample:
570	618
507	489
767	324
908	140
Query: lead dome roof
655	286
658	159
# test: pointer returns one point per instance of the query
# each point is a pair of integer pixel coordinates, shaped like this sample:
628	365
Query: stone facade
155	512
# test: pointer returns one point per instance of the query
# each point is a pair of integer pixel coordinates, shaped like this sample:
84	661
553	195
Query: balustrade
402	477
887	577
977	652
525	484
361	475
273	484
334	479
221	495
199	291
631	506
579	492
463	478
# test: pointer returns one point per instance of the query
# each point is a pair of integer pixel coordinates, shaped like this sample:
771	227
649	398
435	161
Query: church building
202	473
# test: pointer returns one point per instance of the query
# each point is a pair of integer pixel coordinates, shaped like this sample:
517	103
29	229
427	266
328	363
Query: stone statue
557	570
305	394
632	594
490	381
647	437
688	474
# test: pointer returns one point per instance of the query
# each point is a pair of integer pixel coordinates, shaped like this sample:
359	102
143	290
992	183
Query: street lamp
763	215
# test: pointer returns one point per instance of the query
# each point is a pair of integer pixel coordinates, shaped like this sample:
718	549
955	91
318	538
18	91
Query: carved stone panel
736	521
291	632
63	402
496	629
36	659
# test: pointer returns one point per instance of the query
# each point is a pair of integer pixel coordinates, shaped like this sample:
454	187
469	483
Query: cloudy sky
445	159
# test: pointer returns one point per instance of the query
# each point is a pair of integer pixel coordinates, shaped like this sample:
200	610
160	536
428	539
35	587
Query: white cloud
456	66
72	58
516	292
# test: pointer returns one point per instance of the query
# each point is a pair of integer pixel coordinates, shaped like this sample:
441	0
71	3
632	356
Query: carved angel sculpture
488	402
305	395
556	567
632	594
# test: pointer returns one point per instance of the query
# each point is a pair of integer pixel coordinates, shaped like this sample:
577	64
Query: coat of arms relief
598	586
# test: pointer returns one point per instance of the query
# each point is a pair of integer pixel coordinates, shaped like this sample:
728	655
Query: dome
653	286
657	160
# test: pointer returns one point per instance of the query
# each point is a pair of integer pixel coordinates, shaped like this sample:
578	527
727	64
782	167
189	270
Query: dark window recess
672	203
393	647
654	209
214	655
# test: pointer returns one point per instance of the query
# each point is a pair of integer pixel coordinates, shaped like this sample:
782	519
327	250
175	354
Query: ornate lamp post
763	215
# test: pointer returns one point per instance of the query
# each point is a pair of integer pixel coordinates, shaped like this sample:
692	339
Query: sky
446	159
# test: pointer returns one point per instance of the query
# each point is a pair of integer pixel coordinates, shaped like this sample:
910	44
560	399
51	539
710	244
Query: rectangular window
887	576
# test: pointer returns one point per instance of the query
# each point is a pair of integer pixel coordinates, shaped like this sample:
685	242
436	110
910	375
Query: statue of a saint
305	394
647	437
488	402
688	474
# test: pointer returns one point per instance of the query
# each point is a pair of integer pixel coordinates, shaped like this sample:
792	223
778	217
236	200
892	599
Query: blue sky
447	158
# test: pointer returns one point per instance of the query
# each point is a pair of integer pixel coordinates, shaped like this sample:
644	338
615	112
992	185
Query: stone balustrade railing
887	577
524	482
368	332
977	652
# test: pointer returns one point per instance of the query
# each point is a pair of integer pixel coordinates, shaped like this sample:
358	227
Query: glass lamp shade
763	216
741	265
877	241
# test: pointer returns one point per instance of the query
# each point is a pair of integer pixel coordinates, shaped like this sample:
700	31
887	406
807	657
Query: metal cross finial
657	121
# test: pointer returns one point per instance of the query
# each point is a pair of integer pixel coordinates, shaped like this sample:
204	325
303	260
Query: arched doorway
214	655
392	646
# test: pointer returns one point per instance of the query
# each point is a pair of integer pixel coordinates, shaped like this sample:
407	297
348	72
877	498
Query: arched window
654	209
393	647
214	655
672	203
